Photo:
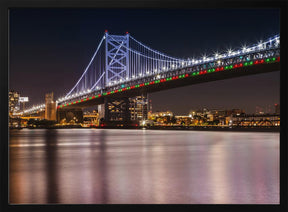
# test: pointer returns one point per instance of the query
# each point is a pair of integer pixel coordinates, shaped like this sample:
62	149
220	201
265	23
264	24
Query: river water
112	166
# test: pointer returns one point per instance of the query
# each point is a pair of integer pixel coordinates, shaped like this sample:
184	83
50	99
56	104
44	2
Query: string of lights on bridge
175	78
172	64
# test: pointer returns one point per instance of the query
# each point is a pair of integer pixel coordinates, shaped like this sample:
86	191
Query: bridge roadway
153	85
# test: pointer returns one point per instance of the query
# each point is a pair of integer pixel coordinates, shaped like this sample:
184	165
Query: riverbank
185	128
231	129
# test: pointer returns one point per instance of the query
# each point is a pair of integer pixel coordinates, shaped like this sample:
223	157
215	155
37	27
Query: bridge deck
164	84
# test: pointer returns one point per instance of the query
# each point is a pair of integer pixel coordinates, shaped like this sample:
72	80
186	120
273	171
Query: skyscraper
14	103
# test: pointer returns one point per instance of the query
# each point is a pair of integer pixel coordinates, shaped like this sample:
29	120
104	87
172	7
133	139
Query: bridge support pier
70	115
116	112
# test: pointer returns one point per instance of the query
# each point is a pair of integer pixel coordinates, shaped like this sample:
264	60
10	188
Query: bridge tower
117	58
116	70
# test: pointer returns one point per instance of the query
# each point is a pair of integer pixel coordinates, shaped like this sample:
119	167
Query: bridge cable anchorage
86	67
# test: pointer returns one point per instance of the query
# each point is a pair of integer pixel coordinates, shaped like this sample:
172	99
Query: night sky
50	48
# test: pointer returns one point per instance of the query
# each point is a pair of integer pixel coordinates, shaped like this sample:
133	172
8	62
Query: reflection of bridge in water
122	68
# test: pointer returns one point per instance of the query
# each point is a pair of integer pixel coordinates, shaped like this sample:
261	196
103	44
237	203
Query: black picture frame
4	74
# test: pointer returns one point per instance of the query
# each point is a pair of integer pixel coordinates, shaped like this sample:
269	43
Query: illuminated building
163	118
14	104
183	120
256	120
139	108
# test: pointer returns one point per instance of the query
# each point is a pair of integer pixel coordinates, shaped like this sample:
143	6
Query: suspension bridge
123	67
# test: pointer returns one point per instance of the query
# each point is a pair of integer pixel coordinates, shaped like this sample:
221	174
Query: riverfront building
14	104
138	108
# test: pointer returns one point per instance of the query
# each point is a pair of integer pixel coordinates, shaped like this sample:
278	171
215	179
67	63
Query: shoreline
188	128
227	129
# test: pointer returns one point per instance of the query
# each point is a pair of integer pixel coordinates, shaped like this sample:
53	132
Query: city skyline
43	41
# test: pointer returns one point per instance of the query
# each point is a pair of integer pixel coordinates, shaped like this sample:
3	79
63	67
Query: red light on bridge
177	77
93	97
241	65
132	86
278	59
262	61
127	32
58	107
108	93
186	75
217	69
222	68
106	30
256	62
